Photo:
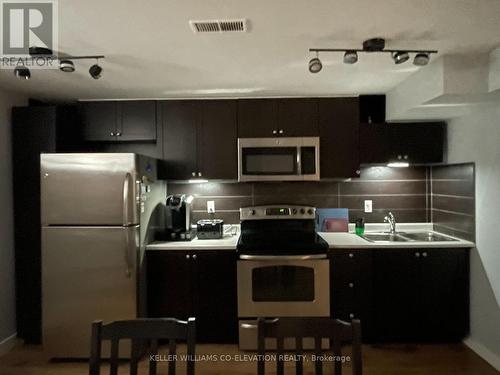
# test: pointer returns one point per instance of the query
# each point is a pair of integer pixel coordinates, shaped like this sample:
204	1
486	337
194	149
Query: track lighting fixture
67	66
22	72
400	57
66	63
315	65
374	45
95	71
350	57
421	59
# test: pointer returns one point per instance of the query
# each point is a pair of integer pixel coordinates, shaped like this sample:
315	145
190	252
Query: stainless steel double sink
406	237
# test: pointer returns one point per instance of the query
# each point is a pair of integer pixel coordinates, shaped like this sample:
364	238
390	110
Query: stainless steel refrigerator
98	213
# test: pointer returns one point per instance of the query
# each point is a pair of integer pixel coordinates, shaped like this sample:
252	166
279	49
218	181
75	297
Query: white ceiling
151	51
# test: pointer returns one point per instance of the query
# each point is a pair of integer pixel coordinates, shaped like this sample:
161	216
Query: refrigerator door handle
126	199
129	244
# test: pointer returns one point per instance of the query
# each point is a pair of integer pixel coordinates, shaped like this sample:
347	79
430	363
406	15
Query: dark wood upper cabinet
119	121
296	117
339	137
257	118
217	140
372	109
181	121
200	139
417	143
138	121
99	120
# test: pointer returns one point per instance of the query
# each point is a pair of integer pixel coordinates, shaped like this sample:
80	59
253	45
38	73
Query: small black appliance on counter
210	229
179	209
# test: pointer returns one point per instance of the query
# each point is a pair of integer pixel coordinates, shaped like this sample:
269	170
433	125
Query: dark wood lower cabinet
195	283
403	295
421	295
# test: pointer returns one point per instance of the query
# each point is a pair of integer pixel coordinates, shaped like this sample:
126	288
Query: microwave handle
299	160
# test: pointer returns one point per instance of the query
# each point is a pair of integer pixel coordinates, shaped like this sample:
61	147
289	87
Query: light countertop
335	240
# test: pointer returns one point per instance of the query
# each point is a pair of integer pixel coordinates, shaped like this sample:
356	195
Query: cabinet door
100	121
298	117
417	142
443	307
217	141
395	295
138	121
257	118
215	298
169	280
181	120
374	143
339	142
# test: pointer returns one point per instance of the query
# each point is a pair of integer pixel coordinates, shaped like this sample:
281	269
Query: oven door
279	286
278	159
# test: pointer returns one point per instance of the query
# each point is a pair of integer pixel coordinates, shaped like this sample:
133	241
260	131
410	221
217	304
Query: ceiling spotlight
421	59
350	57
22	72
95	71
315	65
400	57
67	66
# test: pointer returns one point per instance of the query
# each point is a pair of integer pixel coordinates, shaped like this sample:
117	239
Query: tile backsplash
453	200
404	191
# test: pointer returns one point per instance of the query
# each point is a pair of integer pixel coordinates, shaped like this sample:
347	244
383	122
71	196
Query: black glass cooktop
284	243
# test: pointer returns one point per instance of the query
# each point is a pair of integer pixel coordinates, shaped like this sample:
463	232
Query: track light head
421	59
67	66
315	65
400	57
22	72
350	57
95	71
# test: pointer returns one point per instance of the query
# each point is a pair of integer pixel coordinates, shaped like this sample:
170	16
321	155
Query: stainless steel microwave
278	159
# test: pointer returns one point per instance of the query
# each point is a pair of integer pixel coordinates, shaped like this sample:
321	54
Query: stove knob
310	211
302	211
252	212
294	211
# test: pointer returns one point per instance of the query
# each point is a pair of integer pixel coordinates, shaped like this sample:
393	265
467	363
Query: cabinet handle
351	255
112	134
417	254
351	285
281	131
118	134
351	315
424	254
406	157
188	256
199	174
194	256
193	174
275	132
358	172
399	157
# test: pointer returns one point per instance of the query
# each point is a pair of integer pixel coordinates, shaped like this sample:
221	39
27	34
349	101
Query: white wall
7	287
476	137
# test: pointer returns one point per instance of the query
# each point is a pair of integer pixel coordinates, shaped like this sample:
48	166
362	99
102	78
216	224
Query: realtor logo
27	24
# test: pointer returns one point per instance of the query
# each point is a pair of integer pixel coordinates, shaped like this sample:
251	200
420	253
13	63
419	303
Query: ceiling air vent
220	26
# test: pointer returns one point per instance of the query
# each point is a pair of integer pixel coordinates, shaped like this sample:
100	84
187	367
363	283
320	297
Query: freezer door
87	274
90	189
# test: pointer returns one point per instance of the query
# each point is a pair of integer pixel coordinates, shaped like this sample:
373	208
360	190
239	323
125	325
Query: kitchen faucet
392	222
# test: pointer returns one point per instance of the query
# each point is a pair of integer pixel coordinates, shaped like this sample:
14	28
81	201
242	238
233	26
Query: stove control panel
277	212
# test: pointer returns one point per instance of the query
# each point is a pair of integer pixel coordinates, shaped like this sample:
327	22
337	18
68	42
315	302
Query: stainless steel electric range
283	268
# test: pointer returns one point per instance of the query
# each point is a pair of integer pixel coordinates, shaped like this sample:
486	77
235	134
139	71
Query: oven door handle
283	257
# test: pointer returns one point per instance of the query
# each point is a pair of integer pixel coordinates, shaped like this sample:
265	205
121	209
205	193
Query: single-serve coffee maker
178	220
